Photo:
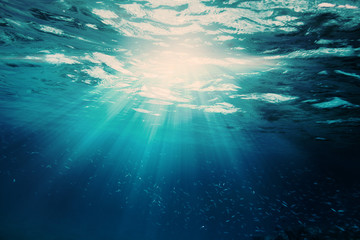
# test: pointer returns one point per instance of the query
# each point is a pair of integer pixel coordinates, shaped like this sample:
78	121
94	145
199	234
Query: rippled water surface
182	119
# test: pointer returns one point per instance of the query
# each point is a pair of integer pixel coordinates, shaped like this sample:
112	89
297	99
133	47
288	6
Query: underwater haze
179	119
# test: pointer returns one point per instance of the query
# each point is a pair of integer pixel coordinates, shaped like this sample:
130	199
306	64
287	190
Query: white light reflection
177	75
187	66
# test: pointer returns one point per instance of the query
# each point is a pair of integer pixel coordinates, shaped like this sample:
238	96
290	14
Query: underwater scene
179	119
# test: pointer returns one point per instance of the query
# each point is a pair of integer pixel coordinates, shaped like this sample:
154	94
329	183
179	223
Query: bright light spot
347	6
162	94
105	14
326	5
52	30
266	97
112	62
173	74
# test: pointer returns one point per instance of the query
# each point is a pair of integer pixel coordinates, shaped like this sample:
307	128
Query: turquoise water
183	119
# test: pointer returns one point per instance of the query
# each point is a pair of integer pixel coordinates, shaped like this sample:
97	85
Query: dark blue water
181	119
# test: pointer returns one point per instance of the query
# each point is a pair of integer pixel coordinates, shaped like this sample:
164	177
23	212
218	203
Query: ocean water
182	119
